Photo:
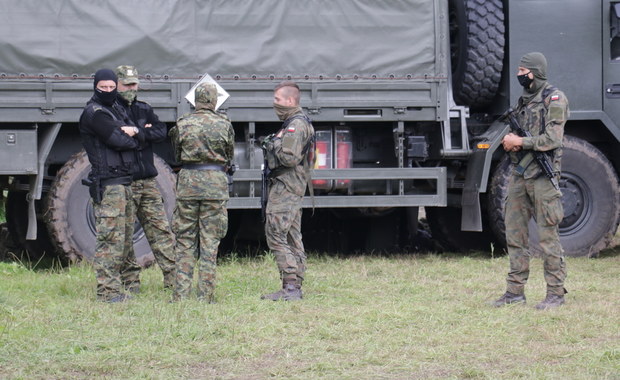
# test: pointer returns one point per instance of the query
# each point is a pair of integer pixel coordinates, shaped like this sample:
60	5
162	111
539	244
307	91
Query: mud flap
471	216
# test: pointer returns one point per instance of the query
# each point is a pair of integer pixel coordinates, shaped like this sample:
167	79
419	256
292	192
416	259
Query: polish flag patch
555	97
291	129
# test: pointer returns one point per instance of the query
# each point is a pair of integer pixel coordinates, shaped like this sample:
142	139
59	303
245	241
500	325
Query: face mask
524	80
106	98
129	95
283	112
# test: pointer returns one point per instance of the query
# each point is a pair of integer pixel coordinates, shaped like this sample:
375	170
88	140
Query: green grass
363	317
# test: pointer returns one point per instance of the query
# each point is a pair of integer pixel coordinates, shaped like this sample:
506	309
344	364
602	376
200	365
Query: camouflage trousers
152	216
115	263
199	226
537	198
283	232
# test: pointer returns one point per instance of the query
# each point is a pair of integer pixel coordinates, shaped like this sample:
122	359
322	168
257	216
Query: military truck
404	97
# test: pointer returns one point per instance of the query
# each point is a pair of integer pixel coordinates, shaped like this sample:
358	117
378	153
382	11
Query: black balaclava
105	98
537	64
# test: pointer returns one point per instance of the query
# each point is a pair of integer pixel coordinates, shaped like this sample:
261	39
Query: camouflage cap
127	74
206	93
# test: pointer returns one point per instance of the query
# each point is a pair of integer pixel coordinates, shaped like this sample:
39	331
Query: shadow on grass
609	253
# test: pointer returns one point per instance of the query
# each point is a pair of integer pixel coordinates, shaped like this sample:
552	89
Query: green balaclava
537	64
206	96
284	112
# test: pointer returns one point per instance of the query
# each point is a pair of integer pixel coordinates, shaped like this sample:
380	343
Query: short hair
290	90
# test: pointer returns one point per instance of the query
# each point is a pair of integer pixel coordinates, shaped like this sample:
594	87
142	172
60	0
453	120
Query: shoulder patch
555	97
290	129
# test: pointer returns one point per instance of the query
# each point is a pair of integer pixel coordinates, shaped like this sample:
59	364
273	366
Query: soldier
204	143
109	139
543	110
146	195
287	157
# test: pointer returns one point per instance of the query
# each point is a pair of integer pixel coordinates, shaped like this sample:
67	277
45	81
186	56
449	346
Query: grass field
363	317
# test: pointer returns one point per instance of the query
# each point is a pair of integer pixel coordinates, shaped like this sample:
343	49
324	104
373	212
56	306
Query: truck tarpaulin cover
184	39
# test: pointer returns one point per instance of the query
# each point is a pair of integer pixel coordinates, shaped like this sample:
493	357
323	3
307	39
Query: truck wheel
590	197
477	50
71	220
17	225
445	226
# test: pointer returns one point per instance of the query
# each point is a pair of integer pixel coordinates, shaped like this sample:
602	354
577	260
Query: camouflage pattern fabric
538	198
115	265
556	111
127	74
286	191
151	213
533	195
200	217
203	136
283	232
199	225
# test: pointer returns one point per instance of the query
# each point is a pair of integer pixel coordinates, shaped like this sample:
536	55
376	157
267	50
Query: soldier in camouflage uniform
204	143
287	155
109	139
543	110
146	195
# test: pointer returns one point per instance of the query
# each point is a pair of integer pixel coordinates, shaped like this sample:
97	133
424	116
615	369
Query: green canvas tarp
243	39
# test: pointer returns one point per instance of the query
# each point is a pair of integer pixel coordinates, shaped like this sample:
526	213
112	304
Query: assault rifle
542	158
264	195
230	171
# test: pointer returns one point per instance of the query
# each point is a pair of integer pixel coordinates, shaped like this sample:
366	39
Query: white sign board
222	95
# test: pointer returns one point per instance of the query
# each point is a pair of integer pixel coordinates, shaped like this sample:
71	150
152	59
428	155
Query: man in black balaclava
542	110
109	138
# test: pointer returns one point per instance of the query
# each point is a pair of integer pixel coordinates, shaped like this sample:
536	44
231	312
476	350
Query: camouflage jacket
288	146
554	112
207	137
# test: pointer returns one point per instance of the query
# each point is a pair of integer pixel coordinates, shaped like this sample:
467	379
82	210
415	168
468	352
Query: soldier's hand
130	130
148	125
510	142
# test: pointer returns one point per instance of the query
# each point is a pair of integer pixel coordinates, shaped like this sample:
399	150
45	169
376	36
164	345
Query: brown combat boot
292	292
551	301
509	298
275	296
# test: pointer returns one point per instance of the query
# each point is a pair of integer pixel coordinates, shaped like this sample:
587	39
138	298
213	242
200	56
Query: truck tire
590	197
477	50
17	225
445	226
70	218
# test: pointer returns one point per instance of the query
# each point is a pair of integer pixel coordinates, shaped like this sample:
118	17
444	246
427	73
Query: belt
217	167
116	181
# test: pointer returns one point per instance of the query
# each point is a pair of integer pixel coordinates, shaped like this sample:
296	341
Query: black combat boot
509	298
551	301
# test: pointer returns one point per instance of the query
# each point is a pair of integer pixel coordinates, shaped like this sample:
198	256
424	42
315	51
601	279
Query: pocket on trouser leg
552	211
